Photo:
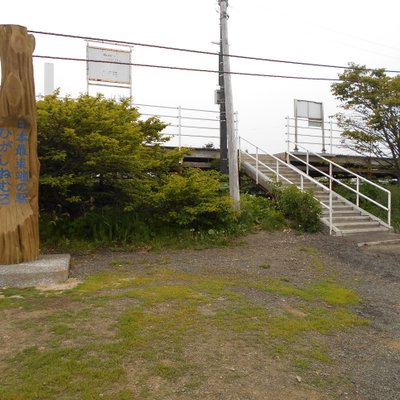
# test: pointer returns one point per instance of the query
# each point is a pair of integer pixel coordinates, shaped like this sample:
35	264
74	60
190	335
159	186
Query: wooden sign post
19	165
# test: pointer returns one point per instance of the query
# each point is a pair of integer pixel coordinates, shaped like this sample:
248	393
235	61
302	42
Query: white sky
328	32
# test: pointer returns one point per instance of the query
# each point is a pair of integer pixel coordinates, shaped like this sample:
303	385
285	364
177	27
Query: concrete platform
48	269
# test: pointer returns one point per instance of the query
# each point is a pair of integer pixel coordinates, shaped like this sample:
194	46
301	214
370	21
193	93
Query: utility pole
223	144
229	113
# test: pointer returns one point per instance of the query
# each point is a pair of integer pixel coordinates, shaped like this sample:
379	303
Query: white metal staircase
340	215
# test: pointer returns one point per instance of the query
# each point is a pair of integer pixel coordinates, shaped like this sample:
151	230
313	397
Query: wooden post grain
19	165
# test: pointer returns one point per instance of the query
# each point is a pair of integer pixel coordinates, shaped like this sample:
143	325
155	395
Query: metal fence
321	139
187	127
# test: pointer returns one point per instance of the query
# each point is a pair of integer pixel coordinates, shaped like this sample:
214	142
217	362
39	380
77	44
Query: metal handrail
299	172
176	116
330	137
358	179
193	136
338	181
174	108
181	124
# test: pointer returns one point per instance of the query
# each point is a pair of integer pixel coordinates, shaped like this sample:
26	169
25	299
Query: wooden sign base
19	165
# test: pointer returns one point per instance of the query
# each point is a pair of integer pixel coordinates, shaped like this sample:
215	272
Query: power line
170	67
127	43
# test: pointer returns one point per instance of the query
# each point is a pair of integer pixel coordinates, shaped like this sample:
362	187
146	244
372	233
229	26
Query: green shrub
106	226
301	208
189	201
257	211
195	200
94	152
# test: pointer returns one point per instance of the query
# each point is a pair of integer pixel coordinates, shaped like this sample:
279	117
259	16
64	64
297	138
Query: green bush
94	152
257	211
191	203
194	199
301	208
121	228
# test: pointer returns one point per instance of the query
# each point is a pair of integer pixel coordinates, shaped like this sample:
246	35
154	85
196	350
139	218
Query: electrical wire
188	69
127	43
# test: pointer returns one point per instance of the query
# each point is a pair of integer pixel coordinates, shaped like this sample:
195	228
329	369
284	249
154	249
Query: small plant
301	208
265	265
261	212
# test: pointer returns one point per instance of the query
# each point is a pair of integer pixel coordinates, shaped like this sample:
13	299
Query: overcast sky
328	32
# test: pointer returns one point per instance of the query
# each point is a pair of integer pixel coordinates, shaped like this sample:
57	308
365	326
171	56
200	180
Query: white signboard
106	71
308	109
311	110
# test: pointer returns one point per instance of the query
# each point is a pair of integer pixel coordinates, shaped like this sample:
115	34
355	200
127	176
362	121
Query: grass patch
316	261
102	281
328	292
25	298
152	320
82	373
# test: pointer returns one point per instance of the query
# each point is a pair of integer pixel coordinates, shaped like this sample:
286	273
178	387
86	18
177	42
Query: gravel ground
371	359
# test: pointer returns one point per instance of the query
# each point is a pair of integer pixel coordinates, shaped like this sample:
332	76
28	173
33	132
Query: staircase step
307	187
334	200
353	218
343	213
356	225
325	195
306	184
335	205
325	199
348	232
342	207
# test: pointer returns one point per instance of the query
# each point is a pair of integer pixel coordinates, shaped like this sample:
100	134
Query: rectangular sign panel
308	109
104	70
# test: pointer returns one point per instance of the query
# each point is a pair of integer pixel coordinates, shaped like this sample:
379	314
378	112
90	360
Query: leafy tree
95	153
373	126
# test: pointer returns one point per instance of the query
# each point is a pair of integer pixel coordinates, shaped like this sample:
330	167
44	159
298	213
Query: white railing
326	138
358	179
196	124
178	127
255	155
